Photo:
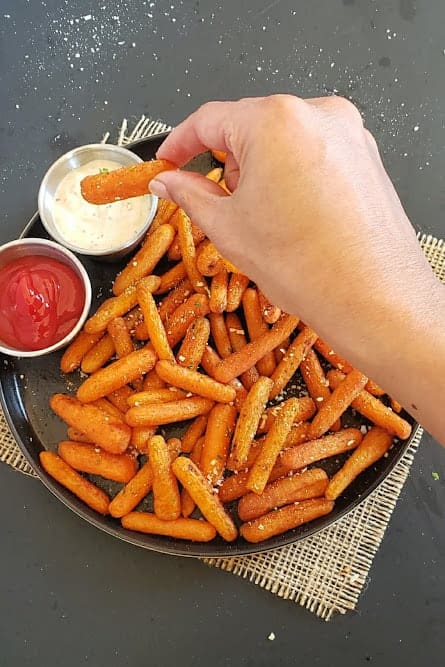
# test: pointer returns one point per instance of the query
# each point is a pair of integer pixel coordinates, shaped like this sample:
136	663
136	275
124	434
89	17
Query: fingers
200	198
208	127
223	126
231	172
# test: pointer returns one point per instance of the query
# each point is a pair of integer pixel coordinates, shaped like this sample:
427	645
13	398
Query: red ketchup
41	300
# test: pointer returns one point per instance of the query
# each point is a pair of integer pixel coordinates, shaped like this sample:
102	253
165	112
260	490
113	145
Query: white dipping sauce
94	227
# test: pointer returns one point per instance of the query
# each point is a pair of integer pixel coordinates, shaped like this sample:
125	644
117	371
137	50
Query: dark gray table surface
69	71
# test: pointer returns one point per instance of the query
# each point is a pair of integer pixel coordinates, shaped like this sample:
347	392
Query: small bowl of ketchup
45	297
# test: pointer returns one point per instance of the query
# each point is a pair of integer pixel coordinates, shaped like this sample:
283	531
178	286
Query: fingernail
158	188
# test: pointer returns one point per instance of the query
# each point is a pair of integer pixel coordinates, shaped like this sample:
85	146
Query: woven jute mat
327	572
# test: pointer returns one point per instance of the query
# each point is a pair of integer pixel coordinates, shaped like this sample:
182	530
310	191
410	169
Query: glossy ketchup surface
41	300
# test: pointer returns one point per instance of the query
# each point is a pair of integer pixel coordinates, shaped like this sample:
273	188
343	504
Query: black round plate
27	384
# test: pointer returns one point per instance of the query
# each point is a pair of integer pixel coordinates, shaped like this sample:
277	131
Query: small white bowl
25	247
77	158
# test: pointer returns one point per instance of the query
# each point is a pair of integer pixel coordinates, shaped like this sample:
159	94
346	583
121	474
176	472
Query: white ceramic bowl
77	158
24	248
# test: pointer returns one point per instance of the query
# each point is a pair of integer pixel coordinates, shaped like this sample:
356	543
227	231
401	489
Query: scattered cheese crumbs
350	442
271	637
189	394
260	526
181	357
319	399
331	352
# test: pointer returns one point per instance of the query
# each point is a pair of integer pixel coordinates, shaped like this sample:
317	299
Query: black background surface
71	595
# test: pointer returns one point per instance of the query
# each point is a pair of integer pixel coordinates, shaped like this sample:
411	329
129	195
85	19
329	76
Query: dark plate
27	384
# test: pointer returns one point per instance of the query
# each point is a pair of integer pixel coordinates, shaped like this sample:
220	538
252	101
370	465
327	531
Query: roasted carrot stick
285	518
145	260
181	529
373	446
89	458
374	410
340	399
248	421
241	361
123	183
202	493
69	478
322	448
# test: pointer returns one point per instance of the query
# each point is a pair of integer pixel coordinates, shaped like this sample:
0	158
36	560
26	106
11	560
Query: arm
314	219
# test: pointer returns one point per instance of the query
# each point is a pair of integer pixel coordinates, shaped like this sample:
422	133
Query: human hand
314	219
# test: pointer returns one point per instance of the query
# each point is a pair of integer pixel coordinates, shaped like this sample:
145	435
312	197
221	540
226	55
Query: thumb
200	198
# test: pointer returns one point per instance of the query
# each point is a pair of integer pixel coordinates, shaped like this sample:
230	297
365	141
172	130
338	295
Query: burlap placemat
327	572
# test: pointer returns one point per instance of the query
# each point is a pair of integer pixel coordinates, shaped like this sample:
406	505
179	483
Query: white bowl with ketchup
45	297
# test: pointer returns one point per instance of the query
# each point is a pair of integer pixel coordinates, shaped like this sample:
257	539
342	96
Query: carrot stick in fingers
123	183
